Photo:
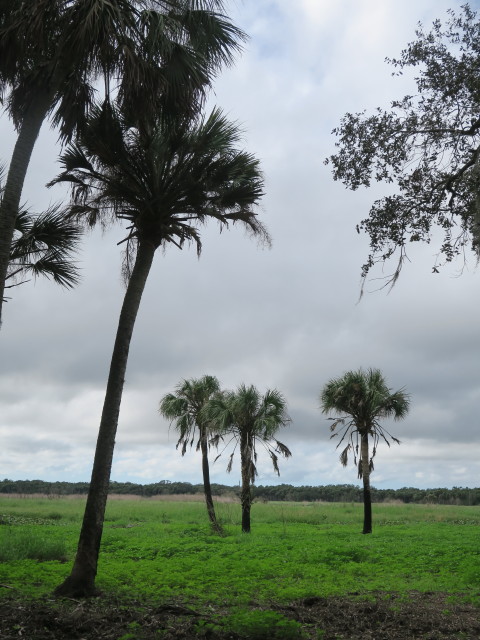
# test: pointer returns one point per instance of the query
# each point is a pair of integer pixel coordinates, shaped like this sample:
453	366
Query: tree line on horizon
462	496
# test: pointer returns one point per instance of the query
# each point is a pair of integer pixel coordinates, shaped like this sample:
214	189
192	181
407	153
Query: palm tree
164	183
155	56
363	398
43	245
251	419
184	407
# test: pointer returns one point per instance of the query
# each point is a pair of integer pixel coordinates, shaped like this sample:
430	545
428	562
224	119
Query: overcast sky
285	317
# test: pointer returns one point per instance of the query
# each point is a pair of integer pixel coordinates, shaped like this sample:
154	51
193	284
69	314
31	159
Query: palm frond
359	469
282	449
250	418
44	245
215	441
183	408
344	455
165	182
274	459
230	463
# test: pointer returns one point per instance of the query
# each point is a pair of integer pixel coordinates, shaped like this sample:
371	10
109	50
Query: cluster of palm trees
205	415
125	81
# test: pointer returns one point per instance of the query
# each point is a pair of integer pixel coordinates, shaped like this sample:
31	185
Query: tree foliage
246	414
168	50
163	183
363	398
43	245
276	493
427	145
155	58
184	407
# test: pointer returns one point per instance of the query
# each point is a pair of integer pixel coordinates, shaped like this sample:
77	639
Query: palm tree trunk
27	136
81	581
207	487
246	492
367	496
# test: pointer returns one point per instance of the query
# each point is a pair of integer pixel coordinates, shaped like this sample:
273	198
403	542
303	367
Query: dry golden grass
180	497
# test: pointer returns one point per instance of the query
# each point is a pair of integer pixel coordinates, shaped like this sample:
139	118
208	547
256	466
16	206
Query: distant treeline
281	492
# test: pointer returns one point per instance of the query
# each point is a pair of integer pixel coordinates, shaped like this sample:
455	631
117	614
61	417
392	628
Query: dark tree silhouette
427	145
43	245
154	56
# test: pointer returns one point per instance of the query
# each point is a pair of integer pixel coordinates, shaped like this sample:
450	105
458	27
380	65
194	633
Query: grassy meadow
154	549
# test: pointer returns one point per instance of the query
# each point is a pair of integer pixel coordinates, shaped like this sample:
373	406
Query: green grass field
157	551
165	550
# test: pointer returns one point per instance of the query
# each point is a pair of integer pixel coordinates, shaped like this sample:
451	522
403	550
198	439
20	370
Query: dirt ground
430	616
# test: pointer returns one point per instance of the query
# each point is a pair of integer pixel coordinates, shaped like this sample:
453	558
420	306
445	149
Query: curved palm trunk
207	487
81	581
22	152
246	492
367	496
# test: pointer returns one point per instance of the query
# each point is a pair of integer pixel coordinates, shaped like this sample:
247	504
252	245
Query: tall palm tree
184	407
251	418
163	183
362	398
153	55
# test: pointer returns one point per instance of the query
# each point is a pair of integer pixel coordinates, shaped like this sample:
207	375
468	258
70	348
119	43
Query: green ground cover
155	550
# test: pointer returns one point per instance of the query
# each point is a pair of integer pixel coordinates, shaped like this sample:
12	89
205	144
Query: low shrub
25	545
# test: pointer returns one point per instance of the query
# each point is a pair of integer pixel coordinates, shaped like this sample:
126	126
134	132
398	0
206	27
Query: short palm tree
153	55
251	418
360	399
43	245
184	408
163	183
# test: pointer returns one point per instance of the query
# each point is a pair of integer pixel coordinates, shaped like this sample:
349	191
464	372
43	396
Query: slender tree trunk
367	496
207	487
27	136
81	581
246	492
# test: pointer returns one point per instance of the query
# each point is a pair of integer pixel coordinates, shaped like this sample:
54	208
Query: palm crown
184	408
164	182
250	418
168	49
365	396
